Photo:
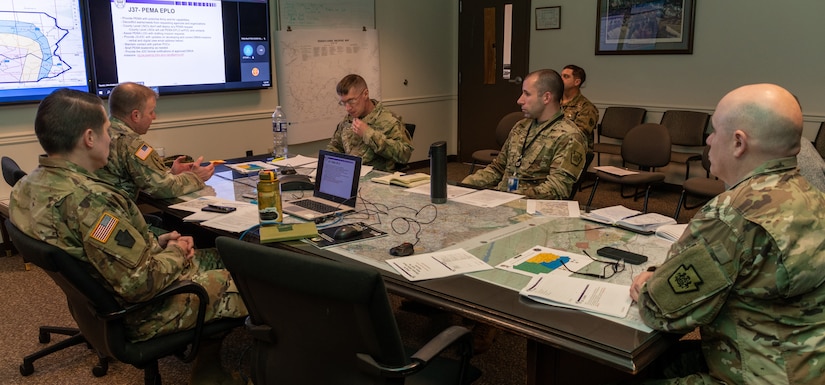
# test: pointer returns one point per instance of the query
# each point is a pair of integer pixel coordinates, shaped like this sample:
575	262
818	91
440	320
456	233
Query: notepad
671	232
287	232
403	180
629	219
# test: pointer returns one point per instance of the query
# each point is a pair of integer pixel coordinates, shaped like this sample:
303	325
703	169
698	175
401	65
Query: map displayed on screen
41	49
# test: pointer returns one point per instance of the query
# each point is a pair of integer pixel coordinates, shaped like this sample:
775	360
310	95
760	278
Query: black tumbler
438	172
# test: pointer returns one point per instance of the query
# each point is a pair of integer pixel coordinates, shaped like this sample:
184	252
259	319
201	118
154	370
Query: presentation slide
158	43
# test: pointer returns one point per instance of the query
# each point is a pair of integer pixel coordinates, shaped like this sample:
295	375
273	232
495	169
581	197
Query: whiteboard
310	63
300	14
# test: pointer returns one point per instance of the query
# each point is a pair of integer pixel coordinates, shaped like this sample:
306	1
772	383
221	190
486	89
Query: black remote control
617	254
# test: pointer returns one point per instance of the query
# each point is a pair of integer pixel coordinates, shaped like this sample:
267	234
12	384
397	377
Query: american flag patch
104	228
144	151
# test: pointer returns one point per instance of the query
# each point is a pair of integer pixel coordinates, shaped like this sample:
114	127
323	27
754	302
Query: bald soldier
750	268
64	204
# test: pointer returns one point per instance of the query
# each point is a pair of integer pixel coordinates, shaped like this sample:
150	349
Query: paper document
297	161
671	232
195	205
452	191
576	293
437	265
553	208
251	167
540	259
487	198
238	221
616	170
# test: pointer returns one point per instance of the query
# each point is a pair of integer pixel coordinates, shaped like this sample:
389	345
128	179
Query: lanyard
525	145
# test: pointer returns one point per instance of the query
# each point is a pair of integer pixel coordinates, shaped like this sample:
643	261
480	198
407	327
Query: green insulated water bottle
269	198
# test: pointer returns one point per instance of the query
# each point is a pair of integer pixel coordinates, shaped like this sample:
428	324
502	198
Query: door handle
517	80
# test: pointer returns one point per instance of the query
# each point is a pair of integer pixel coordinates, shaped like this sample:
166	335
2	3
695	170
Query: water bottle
269	198
279	123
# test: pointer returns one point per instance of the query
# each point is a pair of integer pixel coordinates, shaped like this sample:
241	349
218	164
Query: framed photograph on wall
548	18
632	27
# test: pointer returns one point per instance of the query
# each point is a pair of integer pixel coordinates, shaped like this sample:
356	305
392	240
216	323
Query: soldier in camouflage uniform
369	130
543	155
64	204
749	270
575	106
133	164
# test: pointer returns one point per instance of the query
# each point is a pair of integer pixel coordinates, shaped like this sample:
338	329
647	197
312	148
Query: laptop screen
337	177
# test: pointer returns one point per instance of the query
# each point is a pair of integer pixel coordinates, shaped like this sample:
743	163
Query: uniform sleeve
150	174
119	246
565	168
586	120
336	144
490	176
690	288
388	139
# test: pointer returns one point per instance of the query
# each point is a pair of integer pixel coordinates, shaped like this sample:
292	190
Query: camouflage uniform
552	162
749	272
134	165
384	145
580	111
66	206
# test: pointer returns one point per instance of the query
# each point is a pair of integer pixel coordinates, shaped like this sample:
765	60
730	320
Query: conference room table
564	345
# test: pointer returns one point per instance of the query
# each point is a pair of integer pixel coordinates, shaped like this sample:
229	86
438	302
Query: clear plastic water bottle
279	123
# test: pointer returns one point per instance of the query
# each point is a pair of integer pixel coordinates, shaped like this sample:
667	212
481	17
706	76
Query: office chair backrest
617	121
410	129
505	125
686	128
819	141
647	145
86	296
311	316
11	171
588	158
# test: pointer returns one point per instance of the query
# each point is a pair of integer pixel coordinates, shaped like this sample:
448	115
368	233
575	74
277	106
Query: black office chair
410	131
648	147
11	171
505	125
99	316
588	158
615	124
317	321
819	141
703	187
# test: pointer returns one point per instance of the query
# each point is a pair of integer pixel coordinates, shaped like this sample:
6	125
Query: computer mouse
402	250
347	232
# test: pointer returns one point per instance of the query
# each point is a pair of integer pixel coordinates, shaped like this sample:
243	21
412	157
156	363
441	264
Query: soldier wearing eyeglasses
369	130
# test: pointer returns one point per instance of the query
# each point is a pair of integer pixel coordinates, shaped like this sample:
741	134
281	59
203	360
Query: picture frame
638	27
548	18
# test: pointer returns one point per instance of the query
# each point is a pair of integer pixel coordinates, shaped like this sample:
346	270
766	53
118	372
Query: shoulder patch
104	227
685	280
143	152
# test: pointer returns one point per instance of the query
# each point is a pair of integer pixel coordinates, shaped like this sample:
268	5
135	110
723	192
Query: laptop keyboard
315	206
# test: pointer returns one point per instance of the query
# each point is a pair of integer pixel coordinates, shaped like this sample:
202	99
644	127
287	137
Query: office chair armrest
179	287
445	339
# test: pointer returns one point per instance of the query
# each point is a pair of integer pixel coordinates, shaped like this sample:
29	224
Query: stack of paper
403	180
629	219
576	293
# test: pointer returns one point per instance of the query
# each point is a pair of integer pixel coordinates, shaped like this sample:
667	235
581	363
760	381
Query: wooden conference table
564	346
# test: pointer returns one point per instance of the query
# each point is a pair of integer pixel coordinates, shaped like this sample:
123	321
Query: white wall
736	42
418	41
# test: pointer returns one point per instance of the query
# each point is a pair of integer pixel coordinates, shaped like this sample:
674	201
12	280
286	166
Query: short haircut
349	82
578	72
64	115
548	80
127	97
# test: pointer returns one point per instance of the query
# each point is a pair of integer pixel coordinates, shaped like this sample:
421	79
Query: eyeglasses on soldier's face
353	100
608	270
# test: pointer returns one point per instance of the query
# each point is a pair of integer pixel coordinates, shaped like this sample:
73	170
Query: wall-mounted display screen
41	49
180	46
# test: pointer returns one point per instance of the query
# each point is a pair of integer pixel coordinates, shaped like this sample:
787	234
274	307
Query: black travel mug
438	172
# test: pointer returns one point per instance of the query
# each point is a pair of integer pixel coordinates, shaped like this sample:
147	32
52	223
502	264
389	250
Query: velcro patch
686	279
143	152
104	227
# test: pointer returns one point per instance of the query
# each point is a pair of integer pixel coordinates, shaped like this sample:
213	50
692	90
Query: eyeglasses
351	101
609	270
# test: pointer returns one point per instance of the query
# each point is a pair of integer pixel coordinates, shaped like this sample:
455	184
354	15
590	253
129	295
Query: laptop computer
336	187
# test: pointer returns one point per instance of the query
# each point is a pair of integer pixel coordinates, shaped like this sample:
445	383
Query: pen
582	294
445	265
